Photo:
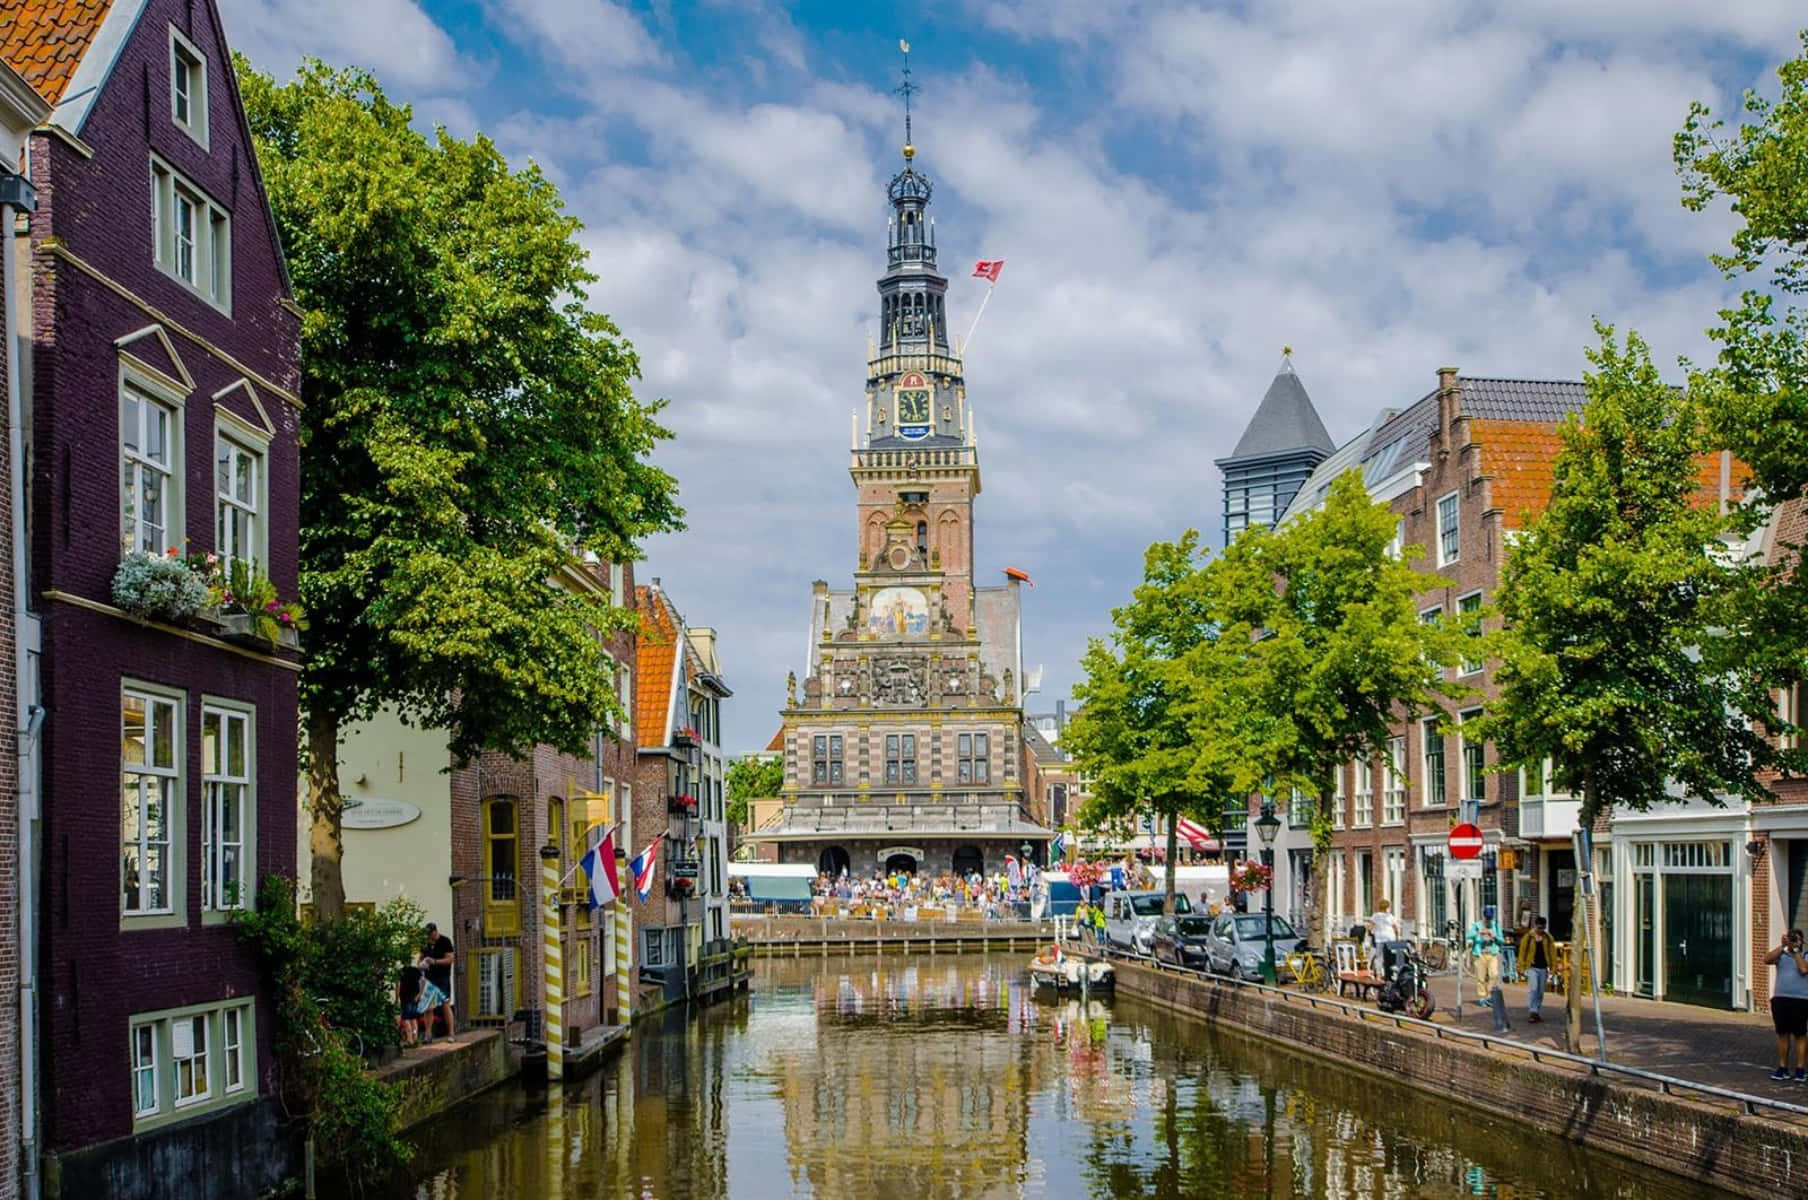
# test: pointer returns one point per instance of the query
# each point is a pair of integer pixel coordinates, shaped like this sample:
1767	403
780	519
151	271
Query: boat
1070	972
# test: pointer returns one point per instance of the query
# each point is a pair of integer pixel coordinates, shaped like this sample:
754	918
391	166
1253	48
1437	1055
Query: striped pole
624	961
553	960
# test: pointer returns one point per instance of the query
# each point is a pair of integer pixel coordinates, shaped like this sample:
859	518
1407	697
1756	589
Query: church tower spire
912	310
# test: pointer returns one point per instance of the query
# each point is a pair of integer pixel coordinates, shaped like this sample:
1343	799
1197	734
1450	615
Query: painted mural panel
898	611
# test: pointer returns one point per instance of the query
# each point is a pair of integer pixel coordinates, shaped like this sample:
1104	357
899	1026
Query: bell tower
916	468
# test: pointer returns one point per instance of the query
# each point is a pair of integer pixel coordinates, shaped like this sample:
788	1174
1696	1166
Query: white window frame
216	777
1364	816
207	271
1338	798
1463	719
188	65
149	396
1393	798
246	440
168	780
227	1048
1450	543
1469	666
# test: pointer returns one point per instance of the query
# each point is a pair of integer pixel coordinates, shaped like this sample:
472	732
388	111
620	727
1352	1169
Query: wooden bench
1352	973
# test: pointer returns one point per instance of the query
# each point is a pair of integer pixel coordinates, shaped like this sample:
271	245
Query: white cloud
406	49
1386	187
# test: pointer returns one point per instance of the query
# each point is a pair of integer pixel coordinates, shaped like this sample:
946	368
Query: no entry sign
1465	841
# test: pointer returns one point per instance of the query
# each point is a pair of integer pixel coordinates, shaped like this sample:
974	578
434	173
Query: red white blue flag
598	865
641	868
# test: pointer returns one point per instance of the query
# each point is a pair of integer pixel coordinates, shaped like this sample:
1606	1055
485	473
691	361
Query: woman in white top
1384	926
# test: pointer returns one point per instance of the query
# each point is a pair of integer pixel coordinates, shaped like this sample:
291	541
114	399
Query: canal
882	1079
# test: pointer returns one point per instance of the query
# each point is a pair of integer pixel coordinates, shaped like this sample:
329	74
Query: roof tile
44	40
658	651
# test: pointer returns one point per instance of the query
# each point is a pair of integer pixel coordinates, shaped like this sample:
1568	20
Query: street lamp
1267	826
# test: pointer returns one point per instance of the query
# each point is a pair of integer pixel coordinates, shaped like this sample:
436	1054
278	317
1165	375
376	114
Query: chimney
703	641
1450	406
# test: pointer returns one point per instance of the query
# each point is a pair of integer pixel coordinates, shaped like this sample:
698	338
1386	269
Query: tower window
914	497
922	537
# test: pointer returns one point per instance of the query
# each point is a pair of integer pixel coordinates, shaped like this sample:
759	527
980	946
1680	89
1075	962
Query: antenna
906	89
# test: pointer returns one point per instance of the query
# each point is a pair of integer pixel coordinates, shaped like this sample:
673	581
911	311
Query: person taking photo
1789	1006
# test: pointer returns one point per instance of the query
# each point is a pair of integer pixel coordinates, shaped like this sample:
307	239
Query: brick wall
10	950
95	975
1743	1155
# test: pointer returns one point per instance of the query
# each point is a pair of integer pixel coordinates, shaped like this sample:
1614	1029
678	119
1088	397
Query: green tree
1344	657
752	777
1620	660
1164	721
470	433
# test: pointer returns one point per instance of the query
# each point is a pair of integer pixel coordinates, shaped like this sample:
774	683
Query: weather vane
906	90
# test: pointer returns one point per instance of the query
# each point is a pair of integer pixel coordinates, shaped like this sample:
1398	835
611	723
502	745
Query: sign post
1465	846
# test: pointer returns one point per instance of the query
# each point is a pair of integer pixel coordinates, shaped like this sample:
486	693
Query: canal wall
436	1077
1713	1143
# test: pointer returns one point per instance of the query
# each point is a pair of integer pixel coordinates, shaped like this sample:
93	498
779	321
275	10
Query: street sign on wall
1464	869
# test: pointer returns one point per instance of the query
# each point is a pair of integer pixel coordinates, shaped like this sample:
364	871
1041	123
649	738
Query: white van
1130	917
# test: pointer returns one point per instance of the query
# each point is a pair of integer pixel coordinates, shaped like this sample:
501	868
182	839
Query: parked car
1236	946
1130	917
1181	940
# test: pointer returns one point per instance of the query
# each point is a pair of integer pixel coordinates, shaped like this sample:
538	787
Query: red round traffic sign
1465	841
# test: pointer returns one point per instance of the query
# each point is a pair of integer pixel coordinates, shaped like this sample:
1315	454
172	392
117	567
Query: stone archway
832	861
905	863
969	860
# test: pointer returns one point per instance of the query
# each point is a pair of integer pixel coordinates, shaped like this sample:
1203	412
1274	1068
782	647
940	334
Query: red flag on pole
988	269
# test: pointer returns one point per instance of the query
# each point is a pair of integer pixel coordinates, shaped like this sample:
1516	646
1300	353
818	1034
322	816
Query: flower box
239	628
686	738
683	806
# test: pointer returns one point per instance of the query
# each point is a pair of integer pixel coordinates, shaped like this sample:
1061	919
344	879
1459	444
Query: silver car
1236	947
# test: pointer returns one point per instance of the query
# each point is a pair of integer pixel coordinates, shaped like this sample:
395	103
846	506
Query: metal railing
1669	1085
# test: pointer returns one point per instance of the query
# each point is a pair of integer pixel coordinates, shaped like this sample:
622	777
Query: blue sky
1179	189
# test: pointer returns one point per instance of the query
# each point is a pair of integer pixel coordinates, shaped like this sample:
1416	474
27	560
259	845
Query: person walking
1537	955
1789	1005
1484	941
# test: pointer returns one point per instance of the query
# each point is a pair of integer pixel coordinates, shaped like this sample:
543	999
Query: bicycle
311	1043
1308	971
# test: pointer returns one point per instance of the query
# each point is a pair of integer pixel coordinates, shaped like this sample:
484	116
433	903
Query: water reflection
876	1079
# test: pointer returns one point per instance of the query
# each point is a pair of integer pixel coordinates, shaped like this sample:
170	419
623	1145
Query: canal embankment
1742	1147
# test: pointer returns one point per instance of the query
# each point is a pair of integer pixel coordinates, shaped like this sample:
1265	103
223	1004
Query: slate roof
1521	399
654	662
1285	420
44	40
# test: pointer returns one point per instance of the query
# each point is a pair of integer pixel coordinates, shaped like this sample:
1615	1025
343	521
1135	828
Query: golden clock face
913	399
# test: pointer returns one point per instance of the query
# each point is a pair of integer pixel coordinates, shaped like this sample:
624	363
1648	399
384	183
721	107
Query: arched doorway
969	861
832	861
906	863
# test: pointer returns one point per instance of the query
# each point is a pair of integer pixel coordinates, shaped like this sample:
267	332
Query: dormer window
188	87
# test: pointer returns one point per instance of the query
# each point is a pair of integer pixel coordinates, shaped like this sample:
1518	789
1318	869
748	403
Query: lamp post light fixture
1267	827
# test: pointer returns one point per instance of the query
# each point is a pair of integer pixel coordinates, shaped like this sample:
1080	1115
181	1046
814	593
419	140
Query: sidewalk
1733	1050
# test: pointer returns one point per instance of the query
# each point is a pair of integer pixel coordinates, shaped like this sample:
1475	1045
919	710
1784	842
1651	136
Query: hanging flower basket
1251	876
686	738
1085	875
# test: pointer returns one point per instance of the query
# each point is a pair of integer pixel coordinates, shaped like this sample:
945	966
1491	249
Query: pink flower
213	558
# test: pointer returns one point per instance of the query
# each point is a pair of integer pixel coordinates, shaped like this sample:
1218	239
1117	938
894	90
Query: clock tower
903	738
916	467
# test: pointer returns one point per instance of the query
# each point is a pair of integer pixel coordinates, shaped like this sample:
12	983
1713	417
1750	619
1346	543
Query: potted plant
686	737
245	603
158	587
1251	876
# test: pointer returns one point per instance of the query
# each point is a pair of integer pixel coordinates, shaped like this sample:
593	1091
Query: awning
775	881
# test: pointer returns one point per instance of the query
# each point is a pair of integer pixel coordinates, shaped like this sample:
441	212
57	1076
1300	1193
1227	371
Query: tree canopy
752	777
471	437
1344	657
1165	723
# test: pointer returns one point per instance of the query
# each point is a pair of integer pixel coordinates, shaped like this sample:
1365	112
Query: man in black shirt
436	960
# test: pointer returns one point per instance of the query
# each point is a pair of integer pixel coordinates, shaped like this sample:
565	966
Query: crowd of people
1000	894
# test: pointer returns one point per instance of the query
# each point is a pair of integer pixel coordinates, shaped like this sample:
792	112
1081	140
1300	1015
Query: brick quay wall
1704	1139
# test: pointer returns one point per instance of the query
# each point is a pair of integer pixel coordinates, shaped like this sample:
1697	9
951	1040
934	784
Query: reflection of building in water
931	1116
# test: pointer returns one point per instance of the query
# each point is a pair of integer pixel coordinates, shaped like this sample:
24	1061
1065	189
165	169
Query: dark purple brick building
163	385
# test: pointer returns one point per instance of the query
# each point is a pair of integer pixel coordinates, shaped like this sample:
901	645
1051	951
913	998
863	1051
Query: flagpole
967	342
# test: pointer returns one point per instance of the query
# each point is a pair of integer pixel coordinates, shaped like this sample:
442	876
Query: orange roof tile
657	653
778	740
1520	456
44	40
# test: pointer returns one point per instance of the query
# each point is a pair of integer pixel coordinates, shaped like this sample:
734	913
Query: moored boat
1064	972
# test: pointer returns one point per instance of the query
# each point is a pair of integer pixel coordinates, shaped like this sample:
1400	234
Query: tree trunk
326	844
1167	903
1321	849
1578	937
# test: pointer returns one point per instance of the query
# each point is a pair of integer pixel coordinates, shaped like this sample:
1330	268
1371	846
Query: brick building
903	741
21	109
680	792
164	382
502	812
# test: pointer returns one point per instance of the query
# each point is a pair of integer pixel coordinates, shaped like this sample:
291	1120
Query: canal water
882	1079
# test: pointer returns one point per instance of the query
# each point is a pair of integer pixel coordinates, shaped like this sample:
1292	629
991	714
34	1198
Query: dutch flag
598	865
640	868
